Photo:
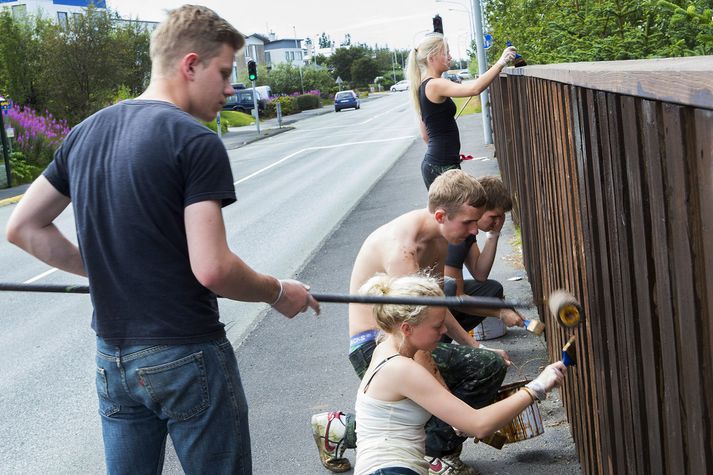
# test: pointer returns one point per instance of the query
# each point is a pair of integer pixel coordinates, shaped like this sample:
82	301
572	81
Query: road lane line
254	174
385	112
40	276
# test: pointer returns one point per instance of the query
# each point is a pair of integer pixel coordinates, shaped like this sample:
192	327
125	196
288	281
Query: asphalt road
293	190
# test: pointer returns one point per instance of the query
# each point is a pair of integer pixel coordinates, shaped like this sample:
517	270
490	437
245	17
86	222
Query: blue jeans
395	471
192	392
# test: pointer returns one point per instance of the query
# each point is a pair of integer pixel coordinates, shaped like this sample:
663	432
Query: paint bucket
489	328
528	423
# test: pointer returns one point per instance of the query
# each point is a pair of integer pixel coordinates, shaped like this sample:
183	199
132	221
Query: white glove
507	56
550	377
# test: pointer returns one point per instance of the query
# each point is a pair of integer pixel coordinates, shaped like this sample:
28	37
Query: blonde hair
454	188
496	195
431	45
390	316
191	29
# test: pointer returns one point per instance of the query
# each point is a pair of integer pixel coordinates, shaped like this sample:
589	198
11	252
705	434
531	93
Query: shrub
36	136
22	172
308	101
212	125
288	104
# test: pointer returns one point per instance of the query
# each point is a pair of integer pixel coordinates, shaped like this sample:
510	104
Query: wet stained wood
650	456
677	136
614	195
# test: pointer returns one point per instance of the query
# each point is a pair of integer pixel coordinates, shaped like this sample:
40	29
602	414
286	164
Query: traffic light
437	24
252	70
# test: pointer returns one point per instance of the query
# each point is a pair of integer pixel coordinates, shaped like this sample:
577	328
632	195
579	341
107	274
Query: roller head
565	308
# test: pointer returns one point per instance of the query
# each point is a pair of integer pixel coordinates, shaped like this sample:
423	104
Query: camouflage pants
472	375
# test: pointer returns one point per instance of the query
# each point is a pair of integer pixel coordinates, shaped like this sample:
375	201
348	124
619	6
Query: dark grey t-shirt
130	170
457	253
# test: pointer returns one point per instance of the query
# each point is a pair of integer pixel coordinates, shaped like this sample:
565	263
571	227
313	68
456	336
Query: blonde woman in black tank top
431	96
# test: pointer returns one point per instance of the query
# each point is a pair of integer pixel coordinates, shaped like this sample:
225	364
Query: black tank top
443	136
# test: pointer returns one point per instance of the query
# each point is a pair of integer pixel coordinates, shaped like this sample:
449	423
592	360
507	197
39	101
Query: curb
265	134
11	200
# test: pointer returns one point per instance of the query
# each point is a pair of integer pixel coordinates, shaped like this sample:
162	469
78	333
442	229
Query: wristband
538	389
501	63
279	294
494	234
483	347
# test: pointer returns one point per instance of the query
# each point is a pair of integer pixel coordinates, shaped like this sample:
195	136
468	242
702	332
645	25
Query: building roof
284	44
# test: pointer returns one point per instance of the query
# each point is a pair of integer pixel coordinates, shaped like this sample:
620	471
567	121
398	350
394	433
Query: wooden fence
611	170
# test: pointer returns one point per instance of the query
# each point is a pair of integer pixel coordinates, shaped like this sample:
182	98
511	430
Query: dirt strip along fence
611	170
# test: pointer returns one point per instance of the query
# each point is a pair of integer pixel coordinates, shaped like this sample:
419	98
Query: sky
393	23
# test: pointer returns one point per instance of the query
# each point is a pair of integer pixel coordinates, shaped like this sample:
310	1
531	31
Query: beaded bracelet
529	392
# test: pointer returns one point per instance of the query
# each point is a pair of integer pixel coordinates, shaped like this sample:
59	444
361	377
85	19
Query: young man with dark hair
479	261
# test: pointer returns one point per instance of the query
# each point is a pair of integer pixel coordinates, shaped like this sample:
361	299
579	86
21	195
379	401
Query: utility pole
299	65
482	68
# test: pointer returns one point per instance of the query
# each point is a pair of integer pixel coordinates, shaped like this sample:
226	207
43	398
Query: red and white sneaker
328	429
449	465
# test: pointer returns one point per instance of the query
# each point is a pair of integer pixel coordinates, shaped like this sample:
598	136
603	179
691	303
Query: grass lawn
473	106
236	119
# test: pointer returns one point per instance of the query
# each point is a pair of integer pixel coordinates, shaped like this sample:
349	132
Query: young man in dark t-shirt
147	183
479	261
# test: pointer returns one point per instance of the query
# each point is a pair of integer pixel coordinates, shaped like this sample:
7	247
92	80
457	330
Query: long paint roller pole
460	301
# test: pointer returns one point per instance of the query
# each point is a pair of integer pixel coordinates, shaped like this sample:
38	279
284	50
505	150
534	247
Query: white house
58	10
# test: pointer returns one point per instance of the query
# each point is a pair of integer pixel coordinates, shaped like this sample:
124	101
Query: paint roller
568	313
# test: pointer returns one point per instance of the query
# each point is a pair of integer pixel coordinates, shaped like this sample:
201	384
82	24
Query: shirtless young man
418	240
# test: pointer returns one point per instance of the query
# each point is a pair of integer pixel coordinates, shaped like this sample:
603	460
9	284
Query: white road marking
283	159
40	276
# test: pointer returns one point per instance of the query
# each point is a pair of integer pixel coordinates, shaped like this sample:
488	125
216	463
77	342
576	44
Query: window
62	19
19	10
292	55
267	59
299	55
287	55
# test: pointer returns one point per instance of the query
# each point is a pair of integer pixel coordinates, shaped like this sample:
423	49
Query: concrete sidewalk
293	369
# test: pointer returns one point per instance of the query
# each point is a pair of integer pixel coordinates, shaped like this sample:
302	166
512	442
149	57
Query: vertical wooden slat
650	459
668	394
702	204
681	268
583	159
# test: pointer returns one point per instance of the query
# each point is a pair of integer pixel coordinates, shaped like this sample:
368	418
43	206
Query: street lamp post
393	68
299	65
466	9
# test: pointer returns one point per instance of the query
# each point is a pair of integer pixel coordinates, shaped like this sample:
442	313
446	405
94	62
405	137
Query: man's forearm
457	333
50	246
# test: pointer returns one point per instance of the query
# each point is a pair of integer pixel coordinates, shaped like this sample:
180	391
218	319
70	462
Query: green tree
343	58
600	30
284	79
363	71
316	78
131	54
325	41
78	66
19	52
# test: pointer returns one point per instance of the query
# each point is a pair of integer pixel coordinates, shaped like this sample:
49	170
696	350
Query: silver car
400	86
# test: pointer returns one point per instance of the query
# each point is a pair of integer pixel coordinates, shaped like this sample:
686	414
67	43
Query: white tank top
389	434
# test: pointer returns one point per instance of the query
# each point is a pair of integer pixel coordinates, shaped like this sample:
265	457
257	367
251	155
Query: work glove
507	56
549	378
